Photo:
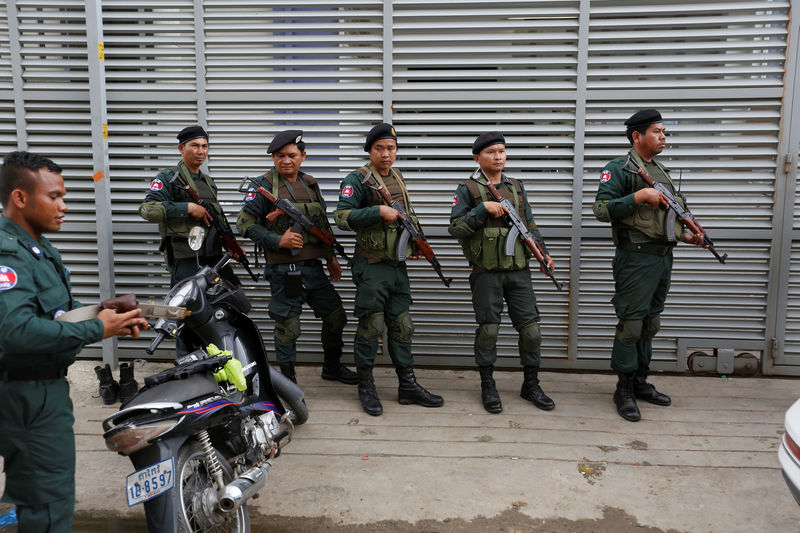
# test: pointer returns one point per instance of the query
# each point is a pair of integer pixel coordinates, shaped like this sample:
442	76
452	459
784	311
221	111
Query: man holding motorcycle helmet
293	256
38	443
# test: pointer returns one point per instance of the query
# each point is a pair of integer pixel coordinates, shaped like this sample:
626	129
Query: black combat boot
367	393
409	391
109	388
489	395
624	399
288	371
645	391
532	392
128	387
333	370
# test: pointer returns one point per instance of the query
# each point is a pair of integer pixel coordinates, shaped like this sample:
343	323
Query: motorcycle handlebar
155	343
222	262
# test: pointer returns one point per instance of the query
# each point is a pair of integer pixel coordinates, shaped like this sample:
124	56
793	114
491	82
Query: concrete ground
708	463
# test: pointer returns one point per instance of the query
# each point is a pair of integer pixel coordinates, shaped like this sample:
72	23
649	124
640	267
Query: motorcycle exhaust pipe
243	487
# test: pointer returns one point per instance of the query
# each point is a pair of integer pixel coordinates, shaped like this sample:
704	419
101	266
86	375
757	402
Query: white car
789	452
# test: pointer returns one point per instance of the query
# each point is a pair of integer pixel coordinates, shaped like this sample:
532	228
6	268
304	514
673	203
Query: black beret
487	139
645	117
381	131
191	132
287	137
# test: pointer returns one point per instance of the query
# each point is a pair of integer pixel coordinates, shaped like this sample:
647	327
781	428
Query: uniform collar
36	248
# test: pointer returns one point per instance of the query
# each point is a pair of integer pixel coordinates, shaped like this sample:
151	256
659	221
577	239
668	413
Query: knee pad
401	328
335	321
629	331
650	327
371	327
530	337
287	330
486	336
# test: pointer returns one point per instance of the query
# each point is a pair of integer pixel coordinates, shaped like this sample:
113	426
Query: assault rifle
519	230
675	209
300	221
410	231
222	227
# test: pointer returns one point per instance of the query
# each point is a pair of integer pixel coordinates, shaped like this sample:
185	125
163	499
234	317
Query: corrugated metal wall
557	77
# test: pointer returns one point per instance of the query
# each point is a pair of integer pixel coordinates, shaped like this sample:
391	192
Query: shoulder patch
605	176
251	194
8	278
347	191
455	200
156	184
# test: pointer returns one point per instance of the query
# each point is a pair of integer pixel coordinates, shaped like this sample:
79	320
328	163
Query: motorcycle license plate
150	482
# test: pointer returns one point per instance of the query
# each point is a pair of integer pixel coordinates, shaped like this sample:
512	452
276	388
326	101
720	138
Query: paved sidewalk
708	463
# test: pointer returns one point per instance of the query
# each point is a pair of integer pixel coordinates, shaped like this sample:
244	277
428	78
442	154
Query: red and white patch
251	194
156	185
347	191
605	176
455	200
8	278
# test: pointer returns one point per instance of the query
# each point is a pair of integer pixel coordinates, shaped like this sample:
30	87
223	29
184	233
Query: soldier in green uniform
294	269
38	443
170	206
383	292
476	221
642	264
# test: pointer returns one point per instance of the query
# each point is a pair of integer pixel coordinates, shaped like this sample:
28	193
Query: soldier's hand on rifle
389	214
334	269
495	209
198	212
651	197
550	265
694	238
290	239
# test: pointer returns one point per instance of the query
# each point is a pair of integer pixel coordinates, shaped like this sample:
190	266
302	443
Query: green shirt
34	289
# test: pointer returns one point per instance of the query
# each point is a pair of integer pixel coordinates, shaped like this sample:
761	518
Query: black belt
32	374
646	248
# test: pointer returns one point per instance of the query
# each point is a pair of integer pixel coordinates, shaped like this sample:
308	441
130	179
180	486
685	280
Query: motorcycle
203	445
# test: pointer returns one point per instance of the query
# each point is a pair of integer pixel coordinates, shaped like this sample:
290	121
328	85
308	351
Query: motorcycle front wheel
194	483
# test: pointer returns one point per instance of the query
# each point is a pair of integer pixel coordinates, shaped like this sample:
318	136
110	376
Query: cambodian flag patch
605	176
156	185
8	278
455	200
347	191
251	194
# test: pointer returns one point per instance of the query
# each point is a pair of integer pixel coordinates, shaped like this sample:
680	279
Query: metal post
100	162
577	182
200	64
783	233
15	50
388	52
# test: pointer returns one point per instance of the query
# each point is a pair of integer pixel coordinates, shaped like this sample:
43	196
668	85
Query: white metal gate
557	77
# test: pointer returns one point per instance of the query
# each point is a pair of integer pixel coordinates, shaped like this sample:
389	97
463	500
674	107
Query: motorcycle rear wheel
193	481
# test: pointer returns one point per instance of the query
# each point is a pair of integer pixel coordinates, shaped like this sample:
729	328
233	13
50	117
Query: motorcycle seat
178	390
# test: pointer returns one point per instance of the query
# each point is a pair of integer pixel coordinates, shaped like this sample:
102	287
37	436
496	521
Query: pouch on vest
486	249
294	283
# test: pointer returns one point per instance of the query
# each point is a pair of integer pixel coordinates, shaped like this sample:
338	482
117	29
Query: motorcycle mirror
196	237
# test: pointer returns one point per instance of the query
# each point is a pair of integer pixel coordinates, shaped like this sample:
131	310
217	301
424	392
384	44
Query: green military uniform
383	291
495	275
166	204
642	264
285	305
38	443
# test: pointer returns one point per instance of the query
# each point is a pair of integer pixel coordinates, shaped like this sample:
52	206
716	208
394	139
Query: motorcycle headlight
129	439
